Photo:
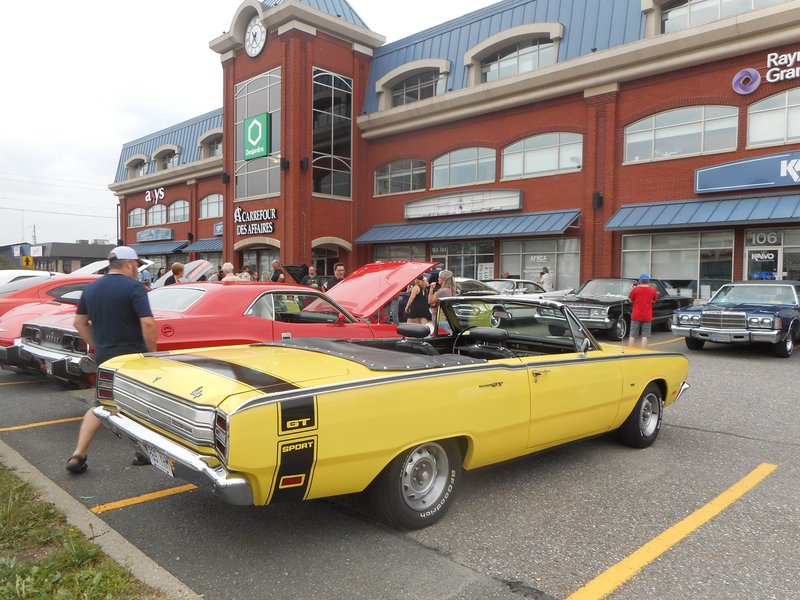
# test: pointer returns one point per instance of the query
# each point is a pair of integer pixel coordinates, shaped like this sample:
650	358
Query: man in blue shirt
114	318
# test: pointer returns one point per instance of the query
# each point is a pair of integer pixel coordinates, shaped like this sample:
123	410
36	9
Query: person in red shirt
643	296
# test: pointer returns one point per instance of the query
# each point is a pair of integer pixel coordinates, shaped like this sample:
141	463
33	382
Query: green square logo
257	136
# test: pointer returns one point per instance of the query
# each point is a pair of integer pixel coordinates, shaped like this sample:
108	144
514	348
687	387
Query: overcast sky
82	78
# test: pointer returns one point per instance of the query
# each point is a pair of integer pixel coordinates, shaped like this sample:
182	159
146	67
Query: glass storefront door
764	263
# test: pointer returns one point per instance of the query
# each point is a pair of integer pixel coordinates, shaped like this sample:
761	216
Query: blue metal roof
589	25
335	8
702	213
159	247
184	135
535	223
205	245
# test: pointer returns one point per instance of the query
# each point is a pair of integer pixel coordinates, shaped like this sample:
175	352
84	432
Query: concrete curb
113	544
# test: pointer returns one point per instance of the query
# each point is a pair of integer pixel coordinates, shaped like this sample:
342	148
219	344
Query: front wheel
619	329
667	325
785	348
641	427
417	488
694	343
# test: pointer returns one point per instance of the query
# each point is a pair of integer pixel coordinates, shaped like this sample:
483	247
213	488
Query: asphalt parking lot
710	511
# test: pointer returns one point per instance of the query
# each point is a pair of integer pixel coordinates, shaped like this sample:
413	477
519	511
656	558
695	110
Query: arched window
166	157
400	176
774	120
211	144
136	217
682	14
211	206
418	87
463	167
521	57
179	211
682	132
157	215
545	154
136	166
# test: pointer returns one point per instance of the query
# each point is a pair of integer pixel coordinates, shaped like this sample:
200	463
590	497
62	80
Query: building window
332	134
211	206
400	176
167	159
464	167
213	147
179	211
522	57
136	217
682	14
157	215
692	263
545	154
399	252
774	120
524	259
418	87
137	168
260	176
682	132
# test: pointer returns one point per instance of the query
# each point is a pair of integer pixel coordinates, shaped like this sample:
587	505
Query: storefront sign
255	221
154	195
155	234
774	170
257	136
218	228
778	67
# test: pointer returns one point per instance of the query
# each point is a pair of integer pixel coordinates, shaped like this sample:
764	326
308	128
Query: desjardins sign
257	136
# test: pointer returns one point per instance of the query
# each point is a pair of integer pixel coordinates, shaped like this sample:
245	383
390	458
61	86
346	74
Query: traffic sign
27	262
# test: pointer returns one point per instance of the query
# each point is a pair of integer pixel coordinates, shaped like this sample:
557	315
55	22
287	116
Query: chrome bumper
57	363
11	359
683	392
729	336
186	464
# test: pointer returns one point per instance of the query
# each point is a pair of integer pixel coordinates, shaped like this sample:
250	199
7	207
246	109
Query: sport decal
296	459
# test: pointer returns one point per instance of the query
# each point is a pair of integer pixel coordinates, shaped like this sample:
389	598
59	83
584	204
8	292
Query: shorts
643	328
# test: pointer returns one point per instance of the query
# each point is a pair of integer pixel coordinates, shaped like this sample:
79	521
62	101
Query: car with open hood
745	312
193	315
301	419
603	305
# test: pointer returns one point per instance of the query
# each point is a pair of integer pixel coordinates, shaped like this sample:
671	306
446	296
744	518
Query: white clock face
255	36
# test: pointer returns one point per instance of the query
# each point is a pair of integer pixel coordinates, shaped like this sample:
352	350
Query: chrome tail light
105	384
221	434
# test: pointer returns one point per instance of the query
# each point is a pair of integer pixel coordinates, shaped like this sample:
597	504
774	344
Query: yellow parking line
22	382
101	508
607	582
672	341
40	424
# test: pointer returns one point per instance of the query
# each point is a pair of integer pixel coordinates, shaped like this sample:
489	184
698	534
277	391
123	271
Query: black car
745	312
603	304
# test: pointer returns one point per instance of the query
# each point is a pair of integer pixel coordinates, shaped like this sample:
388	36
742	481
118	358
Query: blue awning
538	223
206	245
703	213
159	247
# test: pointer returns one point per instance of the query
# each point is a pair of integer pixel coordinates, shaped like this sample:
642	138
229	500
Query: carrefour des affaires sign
257	136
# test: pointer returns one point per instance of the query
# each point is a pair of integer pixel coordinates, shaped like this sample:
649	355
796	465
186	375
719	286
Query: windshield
502	285
754	294
601	288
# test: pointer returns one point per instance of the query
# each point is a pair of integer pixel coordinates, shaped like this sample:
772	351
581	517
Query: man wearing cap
643	297
114	318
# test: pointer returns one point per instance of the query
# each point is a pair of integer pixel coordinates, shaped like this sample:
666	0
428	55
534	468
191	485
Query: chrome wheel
424	476
649	414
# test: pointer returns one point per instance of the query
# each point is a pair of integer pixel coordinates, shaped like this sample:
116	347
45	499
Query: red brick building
623	137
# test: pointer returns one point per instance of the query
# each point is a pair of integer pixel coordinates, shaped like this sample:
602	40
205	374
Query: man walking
643	297
114	318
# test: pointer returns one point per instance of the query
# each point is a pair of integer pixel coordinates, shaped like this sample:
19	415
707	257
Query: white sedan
524	287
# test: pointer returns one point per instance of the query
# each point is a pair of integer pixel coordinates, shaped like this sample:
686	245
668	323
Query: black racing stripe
296	460
297	414
251	377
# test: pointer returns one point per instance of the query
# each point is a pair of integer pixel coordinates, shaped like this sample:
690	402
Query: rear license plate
48	367
720	337
159	460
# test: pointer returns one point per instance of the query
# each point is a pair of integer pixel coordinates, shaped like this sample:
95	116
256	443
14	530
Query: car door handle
538	372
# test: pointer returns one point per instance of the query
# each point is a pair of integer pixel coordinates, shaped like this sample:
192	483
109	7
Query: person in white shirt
546	279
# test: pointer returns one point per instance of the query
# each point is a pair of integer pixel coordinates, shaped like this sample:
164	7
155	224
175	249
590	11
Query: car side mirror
340	320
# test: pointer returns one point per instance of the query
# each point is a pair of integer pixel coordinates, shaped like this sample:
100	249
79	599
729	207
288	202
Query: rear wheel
619	329
694	343
641	427
417	488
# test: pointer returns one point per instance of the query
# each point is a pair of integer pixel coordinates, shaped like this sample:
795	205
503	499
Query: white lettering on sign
761	256
264	214
789	168
154	195
781	67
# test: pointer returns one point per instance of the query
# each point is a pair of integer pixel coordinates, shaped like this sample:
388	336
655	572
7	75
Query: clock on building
255	36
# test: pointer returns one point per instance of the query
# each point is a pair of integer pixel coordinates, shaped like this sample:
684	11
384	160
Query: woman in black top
417	310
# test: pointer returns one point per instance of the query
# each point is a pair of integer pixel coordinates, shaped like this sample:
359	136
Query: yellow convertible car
300	419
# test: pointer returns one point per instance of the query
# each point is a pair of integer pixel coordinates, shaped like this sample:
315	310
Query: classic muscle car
742	313
11	328
603	305
193	315
300	419
524	287
48	289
